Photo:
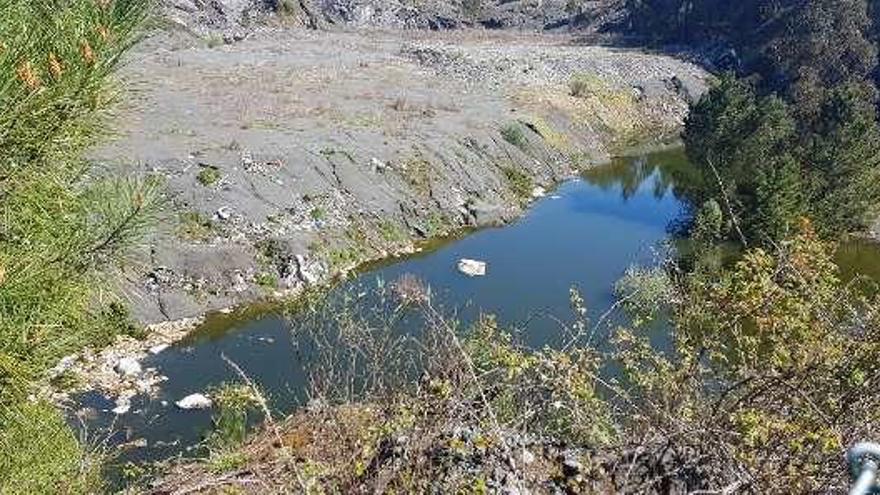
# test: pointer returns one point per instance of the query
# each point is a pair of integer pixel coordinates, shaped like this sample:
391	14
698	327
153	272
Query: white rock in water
538	192
128	366
194	401
121	408
472	268
156	349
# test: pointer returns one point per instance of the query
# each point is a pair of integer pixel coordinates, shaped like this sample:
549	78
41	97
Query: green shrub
208	175
317	213
513	133
233	403
62	229
195	226
520	183
266	280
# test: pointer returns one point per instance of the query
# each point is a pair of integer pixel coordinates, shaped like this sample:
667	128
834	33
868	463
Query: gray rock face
238	17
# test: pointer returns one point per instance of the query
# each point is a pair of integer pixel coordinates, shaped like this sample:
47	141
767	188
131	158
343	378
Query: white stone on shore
194	401
156	349
128	366
538	192
472	268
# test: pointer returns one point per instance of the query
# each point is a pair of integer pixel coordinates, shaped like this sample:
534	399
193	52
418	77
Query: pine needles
60	229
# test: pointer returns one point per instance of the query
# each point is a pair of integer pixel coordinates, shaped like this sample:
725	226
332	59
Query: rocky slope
234	19
297	154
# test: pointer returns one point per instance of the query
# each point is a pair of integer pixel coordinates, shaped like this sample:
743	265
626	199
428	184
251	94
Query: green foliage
768	370
646	292
824	44
195	226
233	403
62	230
555	390
708	223
266	280
520	183
39	453
513	133
844	153
746	143
208	175
54	67
392	232
317	213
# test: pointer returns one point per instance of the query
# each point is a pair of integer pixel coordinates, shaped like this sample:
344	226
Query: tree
745	143
825	44
844	155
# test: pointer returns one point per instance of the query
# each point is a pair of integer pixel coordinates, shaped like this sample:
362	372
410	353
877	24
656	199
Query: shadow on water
584	235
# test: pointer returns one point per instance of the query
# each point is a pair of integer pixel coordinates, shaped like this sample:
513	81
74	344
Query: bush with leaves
772	375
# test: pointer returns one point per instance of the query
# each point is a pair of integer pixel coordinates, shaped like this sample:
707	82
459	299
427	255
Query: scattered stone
223	213
194	401
525	457
239	283
482	213
378	165
65	363
128	366
307	273
472	268
571	466
138	443
538	192
156	349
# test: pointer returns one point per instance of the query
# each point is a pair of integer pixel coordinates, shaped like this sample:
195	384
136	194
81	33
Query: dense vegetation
793	130
62	226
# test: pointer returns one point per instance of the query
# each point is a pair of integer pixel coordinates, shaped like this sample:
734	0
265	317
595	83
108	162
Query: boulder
194	401
472	268
482	213
128	366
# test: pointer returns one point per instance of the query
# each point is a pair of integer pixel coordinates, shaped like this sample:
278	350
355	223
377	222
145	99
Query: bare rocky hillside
234	19
296	154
